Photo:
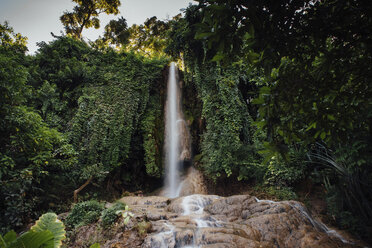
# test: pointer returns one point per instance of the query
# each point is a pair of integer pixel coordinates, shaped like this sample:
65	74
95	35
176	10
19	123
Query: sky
36	19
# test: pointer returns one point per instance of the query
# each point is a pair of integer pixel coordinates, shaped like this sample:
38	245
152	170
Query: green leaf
323	135
8	238
218	57
312	125
31	239
331	117
49	221
316	134
96	245
280	132
258	101
265	90
199	36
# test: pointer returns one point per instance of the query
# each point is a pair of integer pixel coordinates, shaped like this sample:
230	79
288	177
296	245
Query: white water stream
172	131
193	205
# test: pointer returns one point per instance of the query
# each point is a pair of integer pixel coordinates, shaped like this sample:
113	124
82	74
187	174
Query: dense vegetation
283	99
71	114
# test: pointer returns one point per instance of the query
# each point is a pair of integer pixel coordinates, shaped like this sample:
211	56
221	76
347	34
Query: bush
143	228
109	215
278	193
344	219
84	213
286	173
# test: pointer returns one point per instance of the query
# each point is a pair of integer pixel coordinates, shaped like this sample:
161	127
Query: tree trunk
76	192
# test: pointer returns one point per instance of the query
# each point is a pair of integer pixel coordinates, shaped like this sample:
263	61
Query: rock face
193	183
237	221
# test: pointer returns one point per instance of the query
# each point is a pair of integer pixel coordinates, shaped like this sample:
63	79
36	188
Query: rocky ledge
236	221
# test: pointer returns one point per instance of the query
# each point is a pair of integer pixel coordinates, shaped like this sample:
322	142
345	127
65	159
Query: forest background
283	104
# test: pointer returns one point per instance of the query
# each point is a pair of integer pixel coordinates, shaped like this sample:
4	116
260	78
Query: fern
49	221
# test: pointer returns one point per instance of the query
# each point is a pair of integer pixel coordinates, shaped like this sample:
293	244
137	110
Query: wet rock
238	221
209	221
194	183
230	206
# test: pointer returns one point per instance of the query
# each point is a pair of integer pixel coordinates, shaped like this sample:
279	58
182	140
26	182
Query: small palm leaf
49	221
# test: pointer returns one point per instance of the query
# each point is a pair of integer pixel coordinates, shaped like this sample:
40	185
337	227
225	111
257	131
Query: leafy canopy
85	15
11	40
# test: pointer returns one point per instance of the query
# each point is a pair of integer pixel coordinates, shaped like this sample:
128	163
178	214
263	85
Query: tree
29	148
317	61
149	38
9	39
116	32
85	15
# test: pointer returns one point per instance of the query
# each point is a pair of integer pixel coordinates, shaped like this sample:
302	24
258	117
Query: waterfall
172	134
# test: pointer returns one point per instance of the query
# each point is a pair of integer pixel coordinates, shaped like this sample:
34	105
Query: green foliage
62	62
280	193
98	99
11	40
110	215
84	213
152	127
143	228
29	148
116	32
227	144
33	239
150	38
279	174
344	219
85	15
181	36
126	214
48	231
50	222
109	115
315	66
348	189
286	173
70	113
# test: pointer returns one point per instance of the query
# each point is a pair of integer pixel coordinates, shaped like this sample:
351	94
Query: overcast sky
35	19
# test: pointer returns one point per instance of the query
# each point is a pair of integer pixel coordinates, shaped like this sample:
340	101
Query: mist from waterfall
172	134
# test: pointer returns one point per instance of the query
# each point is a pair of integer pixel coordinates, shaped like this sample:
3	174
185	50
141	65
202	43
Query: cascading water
195	220
172	134
317	224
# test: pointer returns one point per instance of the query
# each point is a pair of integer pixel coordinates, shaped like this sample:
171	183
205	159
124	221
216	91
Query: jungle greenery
48	232
276	92
300	72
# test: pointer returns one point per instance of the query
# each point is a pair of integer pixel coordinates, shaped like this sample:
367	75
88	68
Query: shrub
286	173
84	213
143	228
109	215
278	193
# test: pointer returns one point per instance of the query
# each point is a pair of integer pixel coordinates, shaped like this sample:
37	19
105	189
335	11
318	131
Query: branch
76	192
